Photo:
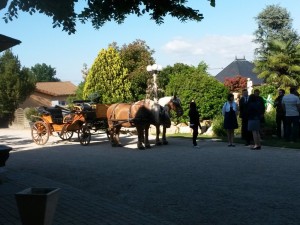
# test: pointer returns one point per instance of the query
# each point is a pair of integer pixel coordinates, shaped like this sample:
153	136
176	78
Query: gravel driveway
212	185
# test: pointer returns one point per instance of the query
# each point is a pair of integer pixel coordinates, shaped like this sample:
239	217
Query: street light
154	69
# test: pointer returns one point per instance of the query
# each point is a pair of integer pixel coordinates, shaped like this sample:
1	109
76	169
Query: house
50	94
45	94
240	67
7	42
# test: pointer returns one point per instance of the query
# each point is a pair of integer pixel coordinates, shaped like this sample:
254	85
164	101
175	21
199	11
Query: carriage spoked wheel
66	135
84	135
40	132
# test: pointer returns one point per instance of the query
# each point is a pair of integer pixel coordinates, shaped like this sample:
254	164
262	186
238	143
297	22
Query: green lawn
267	141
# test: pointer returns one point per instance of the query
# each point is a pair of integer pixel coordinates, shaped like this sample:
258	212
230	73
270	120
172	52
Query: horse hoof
148	146
158	143
141	148
113	145
165	142
119	145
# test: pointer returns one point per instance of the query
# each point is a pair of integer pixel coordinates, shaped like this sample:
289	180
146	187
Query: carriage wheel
40	133
84	136
66	135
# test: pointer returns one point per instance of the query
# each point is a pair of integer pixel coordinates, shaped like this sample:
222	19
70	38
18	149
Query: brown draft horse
167	103
136	115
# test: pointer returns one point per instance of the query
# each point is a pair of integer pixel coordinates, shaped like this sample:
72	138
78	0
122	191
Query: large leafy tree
44	73
136	56
177	69
99	12
108	78
280	66
16	84
274	23
194	83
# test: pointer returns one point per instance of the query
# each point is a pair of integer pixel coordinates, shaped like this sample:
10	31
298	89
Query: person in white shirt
229	112
291	106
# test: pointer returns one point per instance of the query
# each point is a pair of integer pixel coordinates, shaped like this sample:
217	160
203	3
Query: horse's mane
164	100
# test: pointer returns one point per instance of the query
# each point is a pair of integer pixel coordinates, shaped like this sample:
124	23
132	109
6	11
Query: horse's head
175	104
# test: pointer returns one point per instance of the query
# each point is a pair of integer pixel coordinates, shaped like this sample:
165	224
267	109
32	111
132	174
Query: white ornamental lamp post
154	69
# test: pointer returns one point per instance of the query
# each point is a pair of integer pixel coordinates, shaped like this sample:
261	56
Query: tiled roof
239	67
56	88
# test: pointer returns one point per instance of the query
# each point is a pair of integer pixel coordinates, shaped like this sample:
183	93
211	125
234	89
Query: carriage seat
55	113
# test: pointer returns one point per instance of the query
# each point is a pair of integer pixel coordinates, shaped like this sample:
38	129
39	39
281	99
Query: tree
44	73
274	23
101	11
280	66
108	78
16	84
136	56
194	83
236	84
177	69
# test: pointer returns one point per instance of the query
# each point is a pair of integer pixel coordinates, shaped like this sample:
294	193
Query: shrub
217	126
270	122
30	113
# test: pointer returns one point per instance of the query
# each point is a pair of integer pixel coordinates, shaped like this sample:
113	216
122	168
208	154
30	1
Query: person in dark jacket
255	112
243	103
261	101
194	121
280	114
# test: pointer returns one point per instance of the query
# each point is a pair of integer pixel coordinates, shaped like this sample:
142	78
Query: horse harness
130	118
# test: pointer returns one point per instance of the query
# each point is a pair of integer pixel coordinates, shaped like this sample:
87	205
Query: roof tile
240	67
56	88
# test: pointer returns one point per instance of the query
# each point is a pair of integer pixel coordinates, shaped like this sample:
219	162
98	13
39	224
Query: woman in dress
229	111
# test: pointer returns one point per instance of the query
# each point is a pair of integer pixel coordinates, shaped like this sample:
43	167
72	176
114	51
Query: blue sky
225	32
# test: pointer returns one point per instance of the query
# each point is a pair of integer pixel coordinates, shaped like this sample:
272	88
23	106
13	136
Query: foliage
270	121
30	113
194	83
280	66
274	23
236	84
108	78
16	84
99	12
218	126
136	56
267	89
78	94
44	73
176	69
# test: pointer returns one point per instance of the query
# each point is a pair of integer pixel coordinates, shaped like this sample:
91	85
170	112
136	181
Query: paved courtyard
174	184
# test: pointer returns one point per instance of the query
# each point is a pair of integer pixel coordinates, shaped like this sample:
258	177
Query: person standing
243	114
280	114
262	107
229	111
291	106
254	115
194	121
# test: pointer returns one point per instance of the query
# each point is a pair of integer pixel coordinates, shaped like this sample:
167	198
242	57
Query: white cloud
216	51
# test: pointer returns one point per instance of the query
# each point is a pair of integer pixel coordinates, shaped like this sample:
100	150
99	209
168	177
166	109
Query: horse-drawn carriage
61	121
95	116
88	118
